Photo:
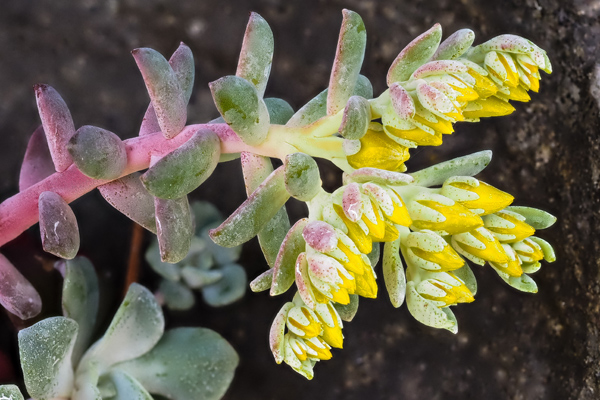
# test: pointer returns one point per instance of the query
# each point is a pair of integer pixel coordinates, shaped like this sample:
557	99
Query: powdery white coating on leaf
469	165
348	311
187	363
402	102
433	100
320	236
231	287
256	55
57	122
58	226
166	94
242	108
352	202
37	163
197	278
185	168
363	87
135	329
313	110
17	295
254	213
127	388
176	295
256	169
393	273
98	153
175	228
10	392
425	311
376	175
276	334
357	115
45	351
301	175
440	67
129	196
262	282
348	60
182	62
284	269
80	300
415	54
455	45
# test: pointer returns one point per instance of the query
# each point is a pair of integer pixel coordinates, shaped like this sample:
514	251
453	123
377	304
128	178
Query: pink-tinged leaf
256	169
182	62
415	54
455	45
380	176
403	104
323	268
262	282
58	124
349	57
16	293
276	334
357	115
37	163
381	197
439	68
58	226
434	100
320	236
352	202
129	196
166	94
303	281
285	264
256	56
175	228
254	213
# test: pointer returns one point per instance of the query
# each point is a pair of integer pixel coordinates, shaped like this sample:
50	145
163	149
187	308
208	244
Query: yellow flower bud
477	196
379	151
508	226
441	214
479	246
430	251
444	289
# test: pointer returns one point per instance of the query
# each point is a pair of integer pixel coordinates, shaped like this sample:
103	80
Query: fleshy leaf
10	392
375	254
136	327
80	300
256	55
376	175
57	122
167	96
187	363
17	295
301	175
348	60
547	249
363	87
425	311
127	388
415	54
537	218
455	45
262	282
313	110
176	295
175	228
185	168
280	110
231	287
129	196
347	311
256	169
276	333
524	283
37	163
98	153
197	278
254	213
285	265
466	275
242	108
469	165
182	62
166	270
205	214
393	273
357	116
58	226
45	350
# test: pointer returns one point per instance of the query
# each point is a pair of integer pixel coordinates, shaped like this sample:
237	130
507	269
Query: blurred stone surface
510	345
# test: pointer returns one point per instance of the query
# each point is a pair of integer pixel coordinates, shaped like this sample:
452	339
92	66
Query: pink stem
20	211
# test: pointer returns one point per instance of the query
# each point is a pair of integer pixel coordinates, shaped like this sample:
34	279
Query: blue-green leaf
256	56
437	174
58	226
10	392
127	387
231	287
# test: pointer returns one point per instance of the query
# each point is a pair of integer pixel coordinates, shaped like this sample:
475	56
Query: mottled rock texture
510	345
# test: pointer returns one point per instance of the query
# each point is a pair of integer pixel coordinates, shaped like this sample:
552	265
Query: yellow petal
366	286
490	199
379	151
419	136
447	259
441	126
359	237
459	219
333	336
489	107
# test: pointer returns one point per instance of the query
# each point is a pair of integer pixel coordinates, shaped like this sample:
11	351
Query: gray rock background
510	345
